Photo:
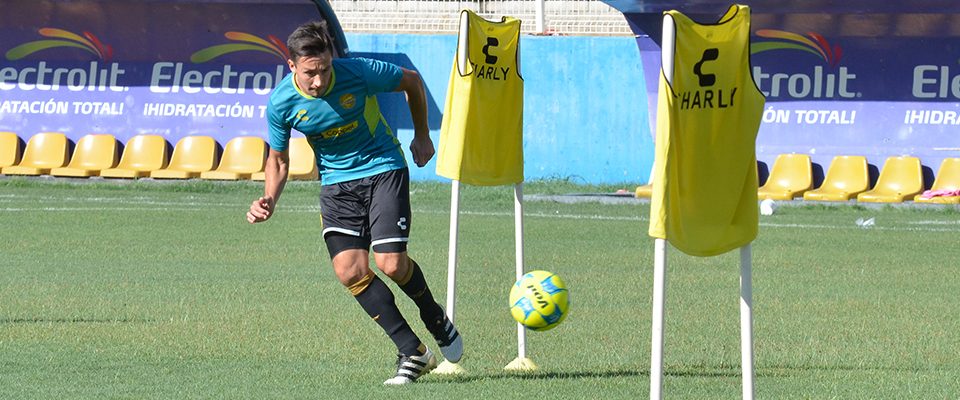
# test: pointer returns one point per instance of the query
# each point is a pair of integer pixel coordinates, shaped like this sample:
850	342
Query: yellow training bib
704	198
481	138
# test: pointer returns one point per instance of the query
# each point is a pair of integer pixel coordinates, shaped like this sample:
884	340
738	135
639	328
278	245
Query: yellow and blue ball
539	301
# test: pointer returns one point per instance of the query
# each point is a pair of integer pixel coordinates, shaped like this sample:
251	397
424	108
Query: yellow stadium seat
9	149
847	177
303	162
645	191
900	179
242	157
790	177
143	154
44	152
948	178
192	156
93	153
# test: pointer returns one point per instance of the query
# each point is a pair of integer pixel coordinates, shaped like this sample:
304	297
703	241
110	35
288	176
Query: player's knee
394	265
350	268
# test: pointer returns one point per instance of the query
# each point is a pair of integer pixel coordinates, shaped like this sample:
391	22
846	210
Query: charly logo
794	41
301	115
706	80
247	41
491	42
816	83
490	71
707	98
62	38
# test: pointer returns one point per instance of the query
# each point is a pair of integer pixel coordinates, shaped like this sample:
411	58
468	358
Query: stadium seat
9	149
900	179
790	176
192	156
847	177
242	157
645	191
303	162
143	154
948	178
44	152
93	153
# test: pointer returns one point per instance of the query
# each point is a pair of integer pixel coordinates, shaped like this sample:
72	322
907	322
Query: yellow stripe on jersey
372	113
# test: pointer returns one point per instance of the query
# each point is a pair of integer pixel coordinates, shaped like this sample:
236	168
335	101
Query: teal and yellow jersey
344	126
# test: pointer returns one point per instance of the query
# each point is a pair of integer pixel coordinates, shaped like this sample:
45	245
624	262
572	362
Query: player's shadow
541	375
393	106
691	372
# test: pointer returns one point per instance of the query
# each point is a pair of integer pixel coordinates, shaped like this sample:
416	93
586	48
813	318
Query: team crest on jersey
348	101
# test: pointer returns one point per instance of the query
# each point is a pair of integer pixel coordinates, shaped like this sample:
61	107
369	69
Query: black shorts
372	211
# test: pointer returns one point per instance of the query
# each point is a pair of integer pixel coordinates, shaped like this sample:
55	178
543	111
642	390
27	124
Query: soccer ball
539	301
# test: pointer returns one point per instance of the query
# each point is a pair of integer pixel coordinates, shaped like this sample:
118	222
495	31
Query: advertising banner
143	67
860	96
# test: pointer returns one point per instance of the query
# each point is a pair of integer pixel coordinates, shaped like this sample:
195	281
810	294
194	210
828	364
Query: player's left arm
422	146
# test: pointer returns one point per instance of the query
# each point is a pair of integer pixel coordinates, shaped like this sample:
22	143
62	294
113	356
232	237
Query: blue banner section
127	68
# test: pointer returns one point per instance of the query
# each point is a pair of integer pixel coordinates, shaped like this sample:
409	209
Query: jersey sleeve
277	128
381	76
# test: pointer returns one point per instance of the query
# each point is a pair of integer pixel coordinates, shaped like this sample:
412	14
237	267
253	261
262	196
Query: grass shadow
24	321
537	375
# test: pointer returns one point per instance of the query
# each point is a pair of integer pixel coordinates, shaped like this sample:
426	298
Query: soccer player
365	196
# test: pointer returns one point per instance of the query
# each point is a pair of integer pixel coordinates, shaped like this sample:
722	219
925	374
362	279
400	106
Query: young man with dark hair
365	196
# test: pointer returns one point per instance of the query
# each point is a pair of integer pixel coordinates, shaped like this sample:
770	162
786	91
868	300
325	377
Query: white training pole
541	19
746	320
452	255
667	47
668	44
659	288
518	220
447	367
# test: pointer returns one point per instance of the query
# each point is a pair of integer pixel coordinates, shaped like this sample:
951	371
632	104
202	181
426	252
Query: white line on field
879	228
934	222
541	215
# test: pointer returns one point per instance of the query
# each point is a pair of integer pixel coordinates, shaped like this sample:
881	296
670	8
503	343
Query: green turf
162	291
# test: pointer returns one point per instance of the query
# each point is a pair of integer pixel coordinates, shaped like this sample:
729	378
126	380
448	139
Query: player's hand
261	210
422	149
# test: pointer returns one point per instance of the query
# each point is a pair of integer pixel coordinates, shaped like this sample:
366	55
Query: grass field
164	291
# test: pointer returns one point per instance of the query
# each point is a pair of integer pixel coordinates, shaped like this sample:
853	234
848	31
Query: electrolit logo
62	38
173	77
44	78
816	84
935	82
247	41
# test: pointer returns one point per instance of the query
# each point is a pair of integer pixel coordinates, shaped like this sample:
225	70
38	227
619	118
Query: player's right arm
278	165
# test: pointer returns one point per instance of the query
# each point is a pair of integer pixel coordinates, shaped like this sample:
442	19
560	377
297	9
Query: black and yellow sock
378	301
415	286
